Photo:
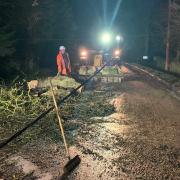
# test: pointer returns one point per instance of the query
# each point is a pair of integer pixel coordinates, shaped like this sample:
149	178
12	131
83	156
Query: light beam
115	12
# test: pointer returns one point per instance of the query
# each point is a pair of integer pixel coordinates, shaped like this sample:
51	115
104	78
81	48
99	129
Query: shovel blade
72	164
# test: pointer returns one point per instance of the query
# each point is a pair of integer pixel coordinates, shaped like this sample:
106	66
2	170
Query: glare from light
105	11
83	53
145	57
106	38
117	52
116	10
119	38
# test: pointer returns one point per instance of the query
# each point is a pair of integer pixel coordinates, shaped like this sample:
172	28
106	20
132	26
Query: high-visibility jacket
98	60
64	65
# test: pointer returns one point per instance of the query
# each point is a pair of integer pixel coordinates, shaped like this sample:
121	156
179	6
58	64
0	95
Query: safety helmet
62	48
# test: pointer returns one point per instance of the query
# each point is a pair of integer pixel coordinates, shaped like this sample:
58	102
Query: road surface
139	140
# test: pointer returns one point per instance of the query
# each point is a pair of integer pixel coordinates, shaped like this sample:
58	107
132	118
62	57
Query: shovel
74	162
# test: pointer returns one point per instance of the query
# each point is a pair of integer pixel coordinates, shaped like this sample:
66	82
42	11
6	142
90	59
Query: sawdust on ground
141	140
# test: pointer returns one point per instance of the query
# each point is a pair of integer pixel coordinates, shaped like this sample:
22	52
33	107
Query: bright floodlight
117	52
84	53
106	38
119	38
145	57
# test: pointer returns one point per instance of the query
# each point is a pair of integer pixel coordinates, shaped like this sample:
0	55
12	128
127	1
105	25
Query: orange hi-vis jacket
64	65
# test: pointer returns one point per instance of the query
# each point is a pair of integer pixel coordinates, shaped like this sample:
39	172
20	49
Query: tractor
92	60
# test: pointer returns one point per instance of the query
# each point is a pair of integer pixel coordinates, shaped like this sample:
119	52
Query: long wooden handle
18	133
60	122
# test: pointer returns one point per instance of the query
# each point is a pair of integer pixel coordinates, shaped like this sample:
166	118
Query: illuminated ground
140	140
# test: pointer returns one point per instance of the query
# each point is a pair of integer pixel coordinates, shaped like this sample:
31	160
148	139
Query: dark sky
95	16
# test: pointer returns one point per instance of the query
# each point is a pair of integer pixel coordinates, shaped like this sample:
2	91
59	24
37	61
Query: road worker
63	62
98	60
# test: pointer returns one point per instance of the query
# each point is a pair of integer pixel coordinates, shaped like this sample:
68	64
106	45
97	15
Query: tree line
145	28
31	32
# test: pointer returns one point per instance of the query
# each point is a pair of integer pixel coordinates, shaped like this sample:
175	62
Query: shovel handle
59	120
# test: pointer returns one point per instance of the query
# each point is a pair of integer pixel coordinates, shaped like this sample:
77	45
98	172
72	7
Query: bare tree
167	64
175	27
173	30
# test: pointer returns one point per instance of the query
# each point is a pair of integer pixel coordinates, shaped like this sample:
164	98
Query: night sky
118	16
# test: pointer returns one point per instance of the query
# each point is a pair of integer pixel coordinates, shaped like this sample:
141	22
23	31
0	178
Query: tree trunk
167	64
177	56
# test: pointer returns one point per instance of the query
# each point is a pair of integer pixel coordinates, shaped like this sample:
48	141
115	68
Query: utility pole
167	64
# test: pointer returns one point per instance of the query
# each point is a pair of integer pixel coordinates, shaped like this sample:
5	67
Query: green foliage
61	81
17	108
15	102
110	71
91	70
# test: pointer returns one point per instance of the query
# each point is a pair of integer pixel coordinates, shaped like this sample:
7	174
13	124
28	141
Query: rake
73	162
